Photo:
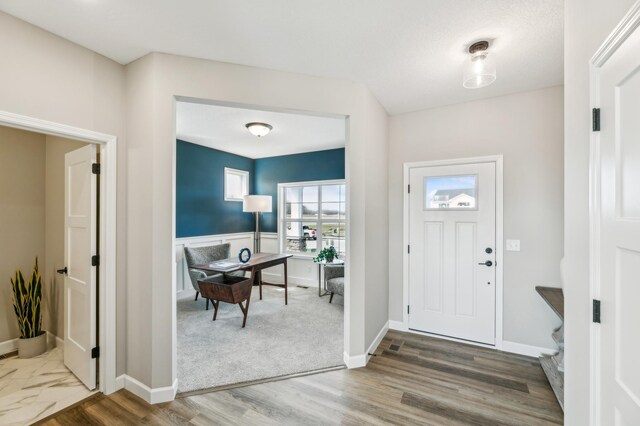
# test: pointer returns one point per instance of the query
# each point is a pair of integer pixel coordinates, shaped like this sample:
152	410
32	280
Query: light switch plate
512	245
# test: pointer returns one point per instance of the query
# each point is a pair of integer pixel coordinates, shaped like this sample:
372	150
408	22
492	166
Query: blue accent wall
309	166
200	205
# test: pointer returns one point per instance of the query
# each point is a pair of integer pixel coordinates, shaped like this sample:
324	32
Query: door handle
487	263
63	271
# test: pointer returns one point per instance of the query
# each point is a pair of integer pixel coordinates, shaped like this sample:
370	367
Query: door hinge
595	120
408	309
408	189
408	249
596	311
95	168
95	260
95	352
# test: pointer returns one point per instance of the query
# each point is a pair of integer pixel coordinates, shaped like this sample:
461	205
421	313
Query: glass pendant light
480	68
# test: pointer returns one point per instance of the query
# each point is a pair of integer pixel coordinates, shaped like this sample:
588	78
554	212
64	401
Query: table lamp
257	204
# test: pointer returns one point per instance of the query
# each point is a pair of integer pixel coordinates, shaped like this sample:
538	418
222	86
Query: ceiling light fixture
259	129
480	69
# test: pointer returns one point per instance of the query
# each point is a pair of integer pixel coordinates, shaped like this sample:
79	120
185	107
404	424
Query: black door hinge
408	189
95	352
95	260
408	309
95	168
595	120
408	249
596	311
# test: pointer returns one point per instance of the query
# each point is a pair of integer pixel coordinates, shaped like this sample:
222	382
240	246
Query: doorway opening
291	321
453	263
39	197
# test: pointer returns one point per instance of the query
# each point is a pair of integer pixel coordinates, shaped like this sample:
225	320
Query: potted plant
326	255
27	302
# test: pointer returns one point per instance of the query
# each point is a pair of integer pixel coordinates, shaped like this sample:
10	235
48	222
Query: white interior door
452	233
80	280
619	253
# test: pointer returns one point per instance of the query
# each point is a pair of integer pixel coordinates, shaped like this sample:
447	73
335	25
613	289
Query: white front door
80	280
618	284
452	235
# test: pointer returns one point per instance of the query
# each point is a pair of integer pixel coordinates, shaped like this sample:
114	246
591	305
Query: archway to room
300	165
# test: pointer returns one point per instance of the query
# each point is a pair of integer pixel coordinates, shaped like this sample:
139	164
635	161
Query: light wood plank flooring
411	380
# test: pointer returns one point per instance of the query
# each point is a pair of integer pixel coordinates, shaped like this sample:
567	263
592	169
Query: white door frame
497	159
618	36
107	268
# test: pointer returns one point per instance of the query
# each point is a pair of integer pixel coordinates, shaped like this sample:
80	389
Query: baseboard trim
397	325
528	350
359	361
8	346
376	342
152	396
356	361
120	382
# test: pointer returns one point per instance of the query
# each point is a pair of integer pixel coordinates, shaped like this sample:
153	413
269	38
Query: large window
312	217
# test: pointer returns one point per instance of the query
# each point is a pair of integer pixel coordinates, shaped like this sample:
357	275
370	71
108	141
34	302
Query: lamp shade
256	203
259	129
479	70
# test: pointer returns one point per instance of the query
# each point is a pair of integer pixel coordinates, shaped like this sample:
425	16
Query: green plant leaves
27	302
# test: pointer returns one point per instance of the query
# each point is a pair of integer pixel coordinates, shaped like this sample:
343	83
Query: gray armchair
334	280
202	255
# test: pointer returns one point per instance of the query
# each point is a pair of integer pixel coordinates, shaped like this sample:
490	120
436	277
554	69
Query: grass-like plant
27	301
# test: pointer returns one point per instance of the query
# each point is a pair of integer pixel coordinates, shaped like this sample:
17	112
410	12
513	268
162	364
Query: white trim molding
528	350
107	268
376	342
152	396
8	346
398	326
498	160
358	361
627	26
355	361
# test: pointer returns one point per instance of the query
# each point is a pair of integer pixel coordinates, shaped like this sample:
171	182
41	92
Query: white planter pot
28	348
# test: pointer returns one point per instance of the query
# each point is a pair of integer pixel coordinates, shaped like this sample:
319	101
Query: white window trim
319	220
245	176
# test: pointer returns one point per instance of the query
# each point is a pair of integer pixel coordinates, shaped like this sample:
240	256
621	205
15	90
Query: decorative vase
34	346
329	259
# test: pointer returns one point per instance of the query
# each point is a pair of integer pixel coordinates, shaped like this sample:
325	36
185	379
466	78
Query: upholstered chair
334	279
204	255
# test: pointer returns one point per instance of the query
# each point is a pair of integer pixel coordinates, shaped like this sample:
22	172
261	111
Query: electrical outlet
512	245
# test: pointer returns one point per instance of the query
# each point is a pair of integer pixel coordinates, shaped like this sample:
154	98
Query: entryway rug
278	340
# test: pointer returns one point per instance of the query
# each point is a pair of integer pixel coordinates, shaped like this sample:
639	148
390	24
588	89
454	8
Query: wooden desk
256	264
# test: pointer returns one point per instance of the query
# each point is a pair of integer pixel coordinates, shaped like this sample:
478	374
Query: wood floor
411	380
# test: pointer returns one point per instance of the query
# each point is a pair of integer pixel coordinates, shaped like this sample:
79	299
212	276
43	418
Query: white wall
527	129
46	77
587	24
55	148
152	83
22	215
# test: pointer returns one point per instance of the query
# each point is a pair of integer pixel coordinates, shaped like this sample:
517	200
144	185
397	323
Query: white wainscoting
302	270
238	241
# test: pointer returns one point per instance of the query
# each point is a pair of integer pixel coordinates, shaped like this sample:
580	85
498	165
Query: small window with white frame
236	184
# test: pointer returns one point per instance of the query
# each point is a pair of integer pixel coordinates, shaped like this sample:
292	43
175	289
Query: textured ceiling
224	128
409	52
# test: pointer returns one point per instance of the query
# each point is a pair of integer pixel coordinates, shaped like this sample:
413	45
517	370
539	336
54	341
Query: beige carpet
278	340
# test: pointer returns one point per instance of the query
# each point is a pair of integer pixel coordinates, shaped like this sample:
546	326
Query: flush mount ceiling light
259	129
479	69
